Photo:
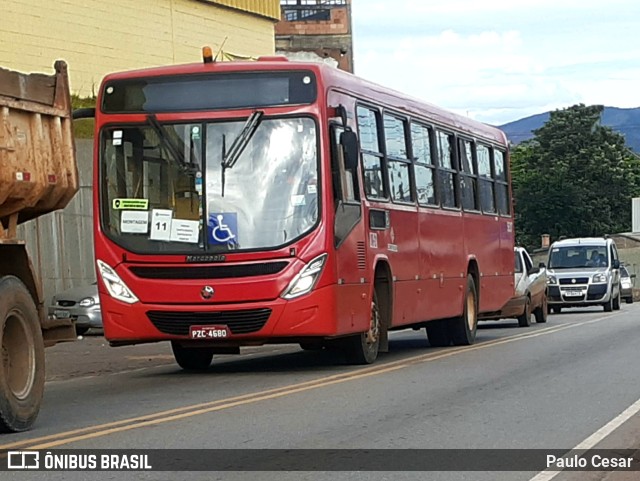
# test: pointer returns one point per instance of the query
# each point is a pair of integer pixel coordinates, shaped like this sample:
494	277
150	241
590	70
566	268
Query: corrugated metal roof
264	8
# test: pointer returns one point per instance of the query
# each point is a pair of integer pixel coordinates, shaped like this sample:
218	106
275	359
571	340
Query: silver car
584	272
81	304
626	285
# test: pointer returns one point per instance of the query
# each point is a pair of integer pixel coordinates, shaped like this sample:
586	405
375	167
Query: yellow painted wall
96	37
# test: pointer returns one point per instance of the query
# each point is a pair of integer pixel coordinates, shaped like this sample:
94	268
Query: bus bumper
249	323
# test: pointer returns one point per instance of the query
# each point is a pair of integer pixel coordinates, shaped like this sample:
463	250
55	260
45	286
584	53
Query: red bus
245	203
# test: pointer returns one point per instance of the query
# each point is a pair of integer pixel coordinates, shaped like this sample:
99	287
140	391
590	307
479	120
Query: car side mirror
616	264
632	276
542	266
349	142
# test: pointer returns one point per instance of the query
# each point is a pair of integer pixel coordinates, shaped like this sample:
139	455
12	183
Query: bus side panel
482	235
400	244
441	238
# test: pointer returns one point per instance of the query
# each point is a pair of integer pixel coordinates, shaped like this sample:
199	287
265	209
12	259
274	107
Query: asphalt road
550	386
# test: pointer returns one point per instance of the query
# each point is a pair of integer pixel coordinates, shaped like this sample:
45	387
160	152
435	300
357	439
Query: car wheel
608	306
524	319
80	331
616	302
541	311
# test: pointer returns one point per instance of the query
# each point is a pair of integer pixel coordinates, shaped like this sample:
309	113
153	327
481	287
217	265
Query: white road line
595	438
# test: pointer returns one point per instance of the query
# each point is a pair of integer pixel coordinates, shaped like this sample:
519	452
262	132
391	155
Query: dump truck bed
38	172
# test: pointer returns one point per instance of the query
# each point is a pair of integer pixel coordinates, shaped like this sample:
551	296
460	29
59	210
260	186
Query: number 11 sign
161	224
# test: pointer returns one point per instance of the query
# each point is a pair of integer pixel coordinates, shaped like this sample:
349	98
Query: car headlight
552	279
87	302
115	286
306	279
599	278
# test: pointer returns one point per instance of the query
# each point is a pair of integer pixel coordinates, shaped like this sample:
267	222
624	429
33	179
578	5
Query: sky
498	61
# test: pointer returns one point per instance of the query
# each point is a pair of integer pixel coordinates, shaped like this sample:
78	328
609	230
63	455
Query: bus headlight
306	279
115	286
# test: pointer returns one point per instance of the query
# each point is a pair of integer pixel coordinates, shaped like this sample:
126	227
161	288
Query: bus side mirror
349	142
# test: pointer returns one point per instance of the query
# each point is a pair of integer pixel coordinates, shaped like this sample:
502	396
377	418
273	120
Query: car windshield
165	187
577	257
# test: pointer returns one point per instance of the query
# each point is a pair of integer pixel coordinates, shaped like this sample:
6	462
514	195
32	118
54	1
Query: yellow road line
175	414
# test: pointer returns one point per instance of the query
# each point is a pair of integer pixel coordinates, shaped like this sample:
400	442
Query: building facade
96	37
317	30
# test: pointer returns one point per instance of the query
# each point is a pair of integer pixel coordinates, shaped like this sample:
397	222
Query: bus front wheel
363	348
192	358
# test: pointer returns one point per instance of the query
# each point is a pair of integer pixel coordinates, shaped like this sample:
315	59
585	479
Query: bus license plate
209	332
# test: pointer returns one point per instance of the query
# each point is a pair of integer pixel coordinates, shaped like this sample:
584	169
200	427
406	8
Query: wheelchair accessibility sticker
223	228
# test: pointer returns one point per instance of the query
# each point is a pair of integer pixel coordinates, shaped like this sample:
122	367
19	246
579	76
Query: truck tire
22	372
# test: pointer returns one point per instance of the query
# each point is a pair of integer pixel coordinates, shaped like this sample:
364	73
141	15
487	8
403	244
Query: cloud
495	59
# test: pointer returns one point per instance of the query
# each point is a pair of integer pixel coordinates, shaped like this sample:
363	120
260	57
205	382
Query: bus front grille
239	322
209	272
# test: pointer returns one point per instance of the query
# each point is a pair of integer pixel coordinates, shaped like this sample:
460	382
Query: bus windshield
170	188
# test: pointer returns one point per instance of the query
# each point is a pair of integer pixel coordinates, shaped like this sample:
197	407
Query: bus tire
438	333
22	370
363	348
192	358
463	329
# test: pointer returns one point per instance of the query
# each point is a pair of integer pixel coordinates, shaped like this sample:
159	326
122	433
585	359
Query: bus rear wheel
192	358
22	362
438	333
363	348
463	329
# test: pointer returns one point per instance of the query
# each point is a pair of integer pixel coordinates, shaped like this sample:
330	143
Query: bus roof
339	80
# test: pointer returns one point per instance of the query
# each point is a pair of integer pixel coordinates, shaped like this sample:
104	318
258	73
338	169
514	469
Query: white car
530	295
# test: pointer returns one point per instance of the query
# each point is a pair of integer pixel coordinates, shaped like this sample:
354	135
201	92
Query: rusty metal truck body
38	174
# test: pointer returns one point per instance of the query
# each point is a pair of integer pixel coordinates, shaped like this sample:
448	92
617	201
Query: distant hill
624	121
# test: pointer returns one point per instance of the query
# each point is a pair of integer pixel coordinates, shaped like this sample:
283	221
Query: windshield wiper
230	157
169	144
166	141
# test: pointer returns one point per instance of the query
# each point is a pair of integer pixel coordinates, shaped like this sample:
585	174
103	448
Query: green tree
575	178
